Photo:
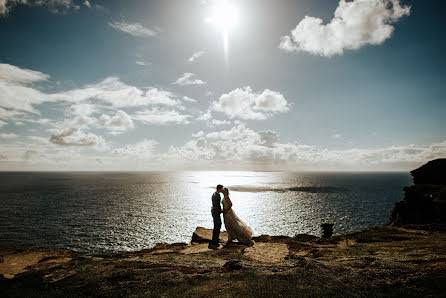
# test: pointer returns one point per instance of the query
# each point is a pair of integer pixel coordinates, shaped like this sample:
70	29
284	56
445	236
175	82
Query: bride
236	228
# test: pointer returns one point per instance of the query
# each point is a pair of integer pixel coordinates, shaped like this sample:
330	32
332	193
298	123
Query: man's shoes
213	245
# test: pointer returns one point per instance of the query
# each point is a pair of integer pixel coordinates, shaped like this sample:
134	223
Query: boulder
202	235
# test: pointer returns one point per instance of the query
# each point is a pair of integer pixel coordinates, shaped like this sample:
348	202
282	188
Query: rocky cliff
425	201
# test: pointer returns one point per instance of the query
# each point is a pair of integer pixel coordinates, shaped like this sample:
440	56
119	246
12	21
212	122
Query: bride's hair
226	190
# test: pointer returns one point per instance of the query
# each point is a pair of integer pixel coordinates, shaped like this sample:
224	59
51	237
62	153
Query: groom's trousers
217	226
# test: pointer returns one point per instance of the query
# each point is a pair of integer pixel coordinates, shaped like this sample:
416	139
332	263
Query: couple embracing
236	228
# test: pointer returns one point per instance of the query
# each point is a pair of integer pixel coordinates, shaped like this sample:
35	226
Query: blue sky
147	85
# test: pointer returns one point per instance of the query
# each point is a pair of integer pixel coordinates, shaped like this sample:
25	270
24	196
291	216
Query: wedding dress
236	228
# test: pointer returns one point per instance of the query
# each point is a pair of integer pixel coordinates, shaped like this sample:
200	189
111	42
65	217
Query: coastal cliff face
425	201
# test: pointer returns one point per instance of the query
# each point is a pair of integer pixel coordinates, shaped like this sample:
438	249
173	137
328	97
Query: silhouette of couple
236	228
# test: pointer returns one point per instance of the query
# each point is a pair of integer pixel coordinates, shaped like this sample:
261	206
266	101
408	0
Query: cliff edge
425	201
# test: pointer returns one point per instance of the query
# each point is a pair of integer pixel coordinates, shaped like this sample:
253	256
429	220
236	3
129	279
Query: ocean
93	212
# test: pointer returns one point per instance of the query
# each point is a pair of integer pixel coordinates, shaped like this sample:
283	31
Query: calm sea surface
99	212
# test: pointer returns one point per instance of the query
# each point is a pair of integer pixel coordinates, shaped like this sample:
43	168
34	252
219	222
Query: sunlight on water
92	212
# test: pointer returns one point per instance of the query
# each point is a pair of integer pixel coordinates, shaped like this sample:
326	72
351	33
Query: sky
260	85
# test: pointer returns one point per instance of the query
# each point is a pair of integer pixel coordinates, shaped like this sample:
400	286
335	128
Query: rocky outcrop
376	262
203	235
424	202
434	172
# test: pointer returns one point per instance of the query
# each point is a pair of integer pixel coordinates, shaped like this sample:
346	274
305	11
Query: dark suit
216	211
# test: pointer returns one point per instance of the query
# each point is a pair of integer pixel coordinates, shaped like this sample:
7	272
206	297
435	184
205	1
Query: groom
216	211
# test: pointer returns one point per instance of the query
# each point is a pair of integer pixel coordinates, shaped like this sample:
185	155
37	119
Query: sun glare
224	15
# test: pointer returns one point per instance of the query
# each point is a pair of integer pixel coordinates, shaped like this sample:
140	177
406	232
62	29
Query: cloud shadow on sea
308	189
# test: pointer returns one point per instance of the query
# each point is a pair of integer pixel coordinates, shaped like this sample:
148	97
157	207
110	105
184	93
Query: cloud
8	136
138	150
188	99
135	29
76	137
160	117
116	124
196	55
188	78
336	136
215	122
112	91
18	93
142	63
15	88
245	104
198	134
244	148
83	109
2	123
55	6
205	116
237	132
355	24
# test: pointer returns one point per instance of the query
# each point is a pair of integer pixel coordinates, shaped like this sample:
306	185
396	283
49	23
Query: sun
224	16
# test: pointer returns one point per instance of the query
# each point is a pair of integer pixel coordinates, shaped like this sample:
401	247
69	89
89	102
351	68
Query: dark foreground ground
382	261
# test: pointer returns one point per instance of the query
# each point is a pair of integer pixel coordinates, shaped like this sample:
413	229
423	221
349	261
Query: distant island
405	258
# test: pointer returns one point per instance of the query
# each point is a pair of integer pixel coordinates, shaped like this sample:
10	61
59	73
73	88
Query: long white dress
236	228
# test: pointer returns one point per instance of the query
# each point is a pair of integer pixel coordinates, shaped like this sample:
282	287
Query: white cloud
135	29
83	109
206	116
116	124
138	150
54	6
87	3
196	55
142	63
2	123
245	104
336	136
355	24
160	117
111	90
157	96
188	99
15	90
243	148
198	134
215	122
76	137
8	136
237	132
17	93
188	78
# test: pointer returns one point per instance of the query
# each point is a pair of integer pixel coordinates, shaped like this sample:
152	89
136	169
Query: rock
233	265
202	235
424	202
434	172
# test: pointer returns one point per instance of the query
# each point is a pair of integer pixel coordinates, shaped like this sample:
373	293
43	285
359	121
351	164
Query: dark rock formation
424	202
434	172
